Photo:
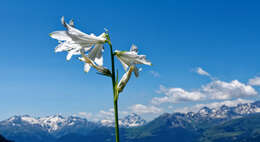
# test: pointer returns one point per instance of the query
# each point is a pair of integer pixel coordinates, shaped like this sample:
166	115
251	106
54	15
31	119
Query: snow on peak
53	123
107	122
29	119
246	108
205	111
50	123
132	120
229	111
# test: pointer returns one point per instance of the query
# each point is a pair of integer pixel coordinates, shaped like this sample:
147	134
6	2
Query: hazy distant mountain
216	124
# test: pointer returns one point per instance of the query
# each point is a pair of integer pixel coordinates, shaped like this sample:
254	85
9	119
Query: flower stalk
115	92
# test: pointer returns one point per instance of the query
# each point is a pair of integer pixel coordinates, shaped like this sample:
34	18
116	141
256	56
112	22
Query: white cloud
87	115
155	74
254	81
227	90
105	115
200	71
174	95
170	107
215	90
229	103
143	109
108	115
124	113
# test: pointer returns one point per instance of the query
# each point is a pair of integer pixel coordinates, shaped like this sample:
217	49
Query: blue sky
221	37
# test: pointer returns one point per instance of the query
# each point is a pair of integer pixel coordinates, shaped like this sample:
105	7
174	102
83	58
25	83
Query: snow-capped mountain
57	123
205	111
132	120
58	128
50	123
230	112
205	114
53	123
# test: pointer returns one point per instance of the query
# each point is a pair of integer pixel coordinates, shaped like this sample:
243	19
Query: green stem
115	92
116	121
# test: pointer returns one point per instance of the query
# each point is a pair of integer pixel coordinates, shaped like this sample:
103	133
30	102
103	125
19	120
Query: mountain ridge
133	128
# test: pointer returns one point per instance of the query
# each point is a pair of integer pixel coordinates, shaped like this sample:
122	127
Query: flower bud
122	83
102	70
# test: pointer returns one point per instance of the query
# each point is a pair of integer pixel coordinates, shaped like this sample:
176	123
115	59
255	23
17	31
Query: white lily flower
122	83
131	58
73	40
89	63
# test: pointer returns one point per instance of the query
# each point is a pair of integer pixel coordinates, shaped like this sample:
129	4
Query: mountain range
2	139
237	123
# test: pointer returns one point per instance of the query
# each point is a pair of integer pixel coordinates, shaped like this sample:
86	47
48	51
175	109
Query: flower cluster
90	48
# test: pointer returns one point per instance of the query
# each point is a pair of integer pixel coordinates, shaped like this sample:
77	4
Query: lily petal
72	52
69	55
78	35
125	66
96	54
131	57
60	35
87	67
63	46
